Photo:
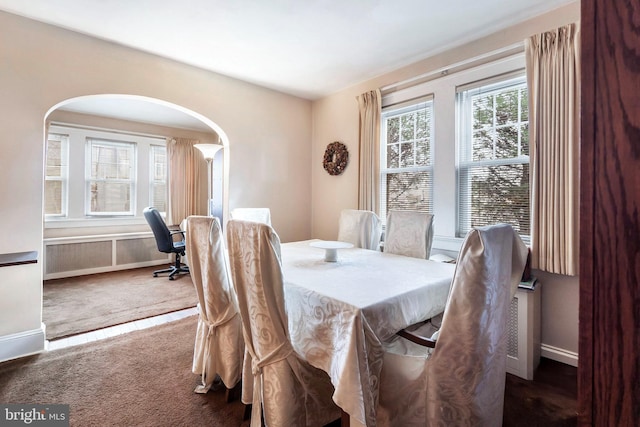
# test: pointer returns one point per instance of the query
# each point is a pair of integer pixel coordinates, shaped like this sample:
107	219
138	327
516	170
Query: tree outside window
493	169
406	159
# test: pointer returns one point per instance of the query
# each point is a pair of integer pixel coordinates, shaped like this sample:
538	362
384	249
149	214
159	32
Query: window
158	177
110	182
56	175
493	155
406	173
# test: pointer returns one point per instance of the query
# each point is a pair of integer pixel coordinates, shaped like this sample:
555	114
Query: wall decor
336	158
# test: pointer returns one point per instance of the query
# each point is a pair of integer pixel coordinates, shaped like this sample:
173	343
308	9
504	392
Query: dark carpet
85	303
142	378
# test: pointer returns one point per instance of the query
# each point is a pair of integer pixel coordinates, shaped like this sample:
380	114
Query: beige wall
268	136
335	117
273	141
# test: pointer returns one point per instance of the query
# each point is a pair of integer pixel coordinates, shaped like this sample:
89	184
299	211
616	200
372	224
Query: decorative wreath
336	157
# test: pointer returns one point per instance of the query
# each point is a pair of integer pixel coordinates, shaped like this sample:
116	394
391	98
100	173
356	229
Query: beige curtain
554	81
369	104
187	172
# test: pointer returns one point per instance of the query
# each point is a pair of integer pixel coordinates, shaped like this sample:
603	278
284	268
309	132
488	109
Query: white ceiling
307	48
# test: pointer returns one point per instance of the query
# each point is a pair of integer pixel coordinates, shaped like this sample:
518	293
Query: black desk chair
165	242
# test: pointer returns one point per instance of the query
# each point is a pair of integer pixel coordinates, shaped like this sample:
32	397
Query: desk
340	312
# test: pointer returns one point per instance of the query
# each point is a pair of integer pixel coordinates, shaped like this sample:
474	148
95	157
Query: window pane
407	158
111	177
482	111
507	107
393	130
493	182
54	158
110	197
111	162
158	179
406	144
507	142
393	156
408	126
524	137
56	174
53	197
499	194
482	145
409	191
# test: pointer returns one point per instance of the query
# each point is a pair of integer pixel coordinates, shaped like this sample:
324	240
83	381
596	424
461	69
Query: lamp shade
208	150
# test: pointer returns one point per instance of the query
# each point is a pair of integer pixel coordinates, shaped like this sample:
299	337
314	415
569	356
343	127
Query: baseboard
559	355
22	344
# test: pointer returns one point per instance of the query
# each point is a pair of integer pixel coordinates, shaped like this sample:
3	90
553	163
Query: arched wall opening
126	114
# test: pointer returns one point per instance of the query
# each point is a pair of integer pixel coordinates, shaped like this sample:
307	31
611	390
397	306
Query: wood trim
608	374
587	184
18	258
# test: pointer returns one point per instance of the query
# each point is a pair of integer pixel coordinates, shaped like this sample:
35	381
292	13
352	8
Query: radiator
74	256
523	343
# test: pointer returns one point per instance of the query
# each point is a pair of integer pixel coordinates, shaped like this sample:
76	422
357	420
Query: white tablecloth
339	313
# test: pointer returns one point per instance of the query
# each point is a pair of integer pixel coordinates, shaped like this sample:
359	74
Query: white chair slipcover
219	346
359	227
252	214
292	392
461	381
409	233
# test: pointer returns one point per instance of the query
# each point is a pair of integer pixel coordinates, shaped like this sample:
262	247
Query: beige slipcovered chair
252	214
290	391
219	346
359	227
461	380
409	233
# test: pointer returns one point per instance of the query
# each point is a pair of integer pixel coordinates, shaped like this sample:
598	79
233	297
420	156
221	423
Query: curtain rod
100	129
455	67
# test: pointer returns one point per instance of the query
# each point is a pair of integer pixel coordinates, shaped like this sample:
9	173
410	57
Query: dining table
341	312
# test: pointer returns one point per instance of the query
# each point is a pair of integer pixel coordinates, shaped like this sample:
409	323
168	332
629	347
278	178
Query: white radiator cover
75	256
523	344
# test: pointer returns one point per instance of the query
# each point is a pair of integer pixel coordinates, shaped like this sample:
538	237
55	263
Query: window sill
91	222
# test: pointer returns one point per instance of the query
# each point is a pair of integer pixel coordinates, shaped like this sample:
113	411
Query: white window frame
131	181
396	111
153	182
76	204
443	85
64	172
465	161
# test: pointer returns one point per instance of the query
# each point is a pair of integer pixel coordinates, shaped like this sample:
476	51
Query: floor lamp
209	151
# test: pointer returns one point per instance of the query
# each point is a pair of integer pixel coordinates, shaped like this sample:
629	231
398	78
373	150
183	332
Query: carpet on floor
85	303
142	378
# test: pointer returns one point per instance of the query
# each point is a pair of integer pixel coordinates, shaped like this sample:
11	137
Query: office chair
164	240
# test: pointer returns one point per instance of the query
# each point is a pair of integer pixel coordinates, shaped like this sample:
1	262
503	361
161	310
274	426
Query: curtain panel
553	79
369	104
186	193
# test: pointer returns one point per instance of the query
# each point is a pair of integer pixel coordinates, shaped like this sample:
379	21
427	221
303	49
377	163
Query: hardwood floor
549	400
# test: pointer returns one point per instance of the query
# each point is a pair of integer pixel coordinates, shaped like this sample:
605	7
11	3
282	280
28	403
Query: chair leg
247	412
177	268
345	420
234	393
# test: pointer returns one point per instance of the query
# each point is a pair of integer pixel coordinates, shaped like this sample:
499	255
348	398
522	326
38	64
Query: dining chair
457	375
360	227
289	390
219	345
409	233
252	214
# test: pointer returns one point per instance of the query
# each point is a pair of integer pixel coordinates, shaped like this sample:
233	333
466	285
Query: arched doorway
114	119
